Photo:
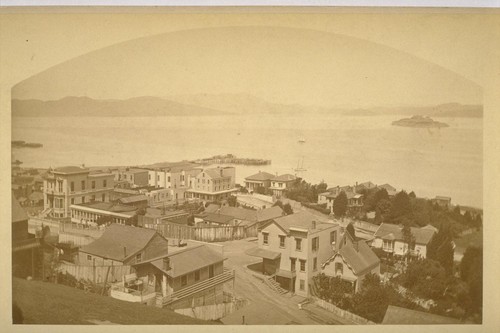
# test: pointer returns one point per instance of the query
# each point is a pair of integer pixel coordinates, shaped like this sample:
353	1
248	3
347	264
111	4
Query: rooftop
359	260
107	206
284	178
260	176
217	218
118	239
71	169
401	316
394	232
133	199
190	260
303	220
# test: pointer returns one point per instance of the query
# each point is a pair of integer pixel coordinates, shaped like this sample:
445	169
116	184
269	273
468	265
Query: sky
292	64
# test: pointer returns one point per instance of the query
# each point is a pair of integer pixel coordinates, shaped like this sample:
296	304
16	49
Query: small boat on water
302	140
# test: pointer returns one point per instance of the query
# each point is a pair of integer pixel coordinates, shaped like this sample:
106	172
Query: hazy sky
283	65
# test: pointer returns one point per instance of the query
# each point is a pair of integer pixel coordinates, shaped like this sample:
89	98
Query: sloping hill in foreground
47	303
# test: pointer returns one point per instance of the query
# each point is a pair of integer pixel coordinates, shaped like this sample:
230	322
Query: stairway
275	285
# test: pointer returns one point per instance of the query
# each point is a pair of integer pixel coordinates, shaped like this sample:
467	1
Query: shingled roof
303	220
394	232
190	260
260	176
115	238
359	260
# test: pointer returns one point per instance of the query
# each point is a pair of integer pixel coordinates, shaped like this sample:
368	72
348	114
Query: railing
226	276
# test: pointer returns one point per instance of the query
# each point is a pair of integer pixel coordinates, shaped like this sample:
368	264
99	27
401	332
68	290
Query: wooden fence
212	312
204	234
96	274
342	313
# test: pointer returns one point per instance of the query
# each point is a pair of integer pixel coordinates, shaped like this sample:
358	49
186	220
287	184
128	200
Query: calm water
339	149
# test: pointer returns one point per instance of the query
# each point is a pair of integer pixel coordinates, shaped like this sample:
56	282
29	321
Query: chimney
124	252
313	224
166	264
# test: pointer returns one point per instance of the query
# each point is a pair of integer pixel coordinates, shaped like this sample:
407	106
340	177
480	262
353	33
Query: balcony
193	289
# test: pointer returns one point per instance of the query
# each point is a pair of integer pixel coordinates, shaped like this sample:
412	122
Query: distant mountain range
213	104
88	107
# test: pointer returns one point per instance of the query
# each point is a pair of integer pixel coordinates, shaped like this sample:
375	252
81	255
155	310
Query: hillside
88	107
47	303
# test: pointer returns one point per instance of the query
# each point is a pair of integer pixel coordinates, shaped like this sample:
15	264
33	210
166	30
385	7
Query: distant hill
88	107
214	104
442	110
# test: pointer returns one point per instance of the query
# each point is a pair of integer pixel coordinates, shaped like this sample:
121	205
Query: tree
401	207
232	201
351	231
441	247
278	203
287	208
382	210
471	271
408	238
104	219
190	220
340	204
412	195
426	278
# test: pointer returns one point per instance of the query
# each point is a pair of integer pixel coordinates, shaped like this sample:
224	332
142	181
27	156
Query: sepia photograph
247	166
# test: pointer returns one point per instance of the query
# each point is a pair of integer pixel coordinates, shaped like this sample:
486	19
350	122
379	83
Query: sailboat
300	166
302	140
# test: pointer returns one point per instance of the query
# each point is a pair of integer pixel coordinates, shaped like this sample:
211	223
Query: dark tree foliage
287	209
408	237
303	191
382	210
263	190
278	203
340	204
441	247
412	195
426	278
104	220
351	231
190	220
232	201
401	208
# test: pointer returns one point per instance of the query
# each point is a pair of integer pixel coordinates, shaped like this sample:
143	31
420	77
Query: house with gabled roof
280	183
293	247
352	262
184	278
123	245
260	179
214	184
389	237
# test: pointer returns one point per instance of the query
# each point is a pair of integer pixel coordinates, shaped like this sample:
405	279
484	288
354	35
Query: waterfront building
66	186
280	183
260	179
212	184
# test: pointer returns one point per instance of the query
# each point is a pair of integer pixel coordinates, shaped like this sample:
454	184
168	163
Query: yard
47	303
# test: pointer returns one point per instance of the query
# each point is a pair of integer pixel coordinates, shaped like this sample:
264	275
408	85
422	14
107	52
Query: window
89	257
104	183
298	244
138	257
149	177
168	179
72	201
315	244
83	185
72	186
333	237
282	241
339	268
293	261
315	264
265	240
93	198
211	271
197	275
184	280
388	245
93	184
302	265
103	197
302	285
83	199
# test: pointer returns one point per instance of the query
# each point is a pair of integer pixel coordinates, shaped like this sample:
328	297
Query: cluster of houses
354	193
276	184
84	195
297	247
26	185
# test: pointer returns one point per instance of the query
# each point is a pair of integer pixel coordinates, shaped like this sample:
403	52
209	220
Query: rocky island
419	121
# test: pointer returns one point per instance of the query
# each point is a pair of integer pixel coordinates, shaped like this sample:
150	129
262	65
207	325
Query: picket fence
96	274
342	313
